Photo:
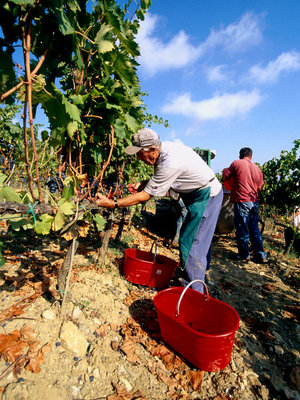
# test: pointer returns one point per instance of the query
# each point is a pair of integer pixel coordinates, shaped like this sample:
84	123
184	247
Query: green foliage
12	136
281	192
8	194
44	224
65	209
99	221
86	81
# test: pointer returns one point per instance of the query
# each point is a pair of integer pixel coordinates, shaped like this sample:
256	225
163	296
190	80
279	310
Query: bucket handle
155	250
185	289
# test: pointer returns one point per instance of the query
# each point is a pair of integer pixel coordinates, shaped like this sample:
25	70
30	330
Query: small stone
127	385
291	394
76	312
122	370
10	377
73	339
278	349
277	336
75	390
115	345
96	373
49	315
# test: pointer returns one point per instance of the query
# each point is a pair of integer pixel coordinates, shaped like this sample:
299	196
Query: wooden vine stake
65	292
68	269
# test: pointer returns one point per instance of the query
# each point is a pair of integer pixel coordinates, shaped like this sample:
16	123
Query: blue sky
225	74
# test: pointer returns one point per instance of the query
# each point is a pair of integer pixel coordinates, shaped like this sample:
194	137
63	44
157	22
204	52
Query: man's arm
131	200
226	174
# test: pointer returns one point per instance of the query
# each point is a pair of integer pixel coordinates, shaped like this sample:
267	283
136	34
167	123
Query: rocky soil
107	343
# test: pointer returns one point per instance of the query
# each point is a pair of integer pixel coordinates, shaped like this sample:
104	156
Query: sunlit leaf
66	207
43	224
100	222
104	39
2	179
8	194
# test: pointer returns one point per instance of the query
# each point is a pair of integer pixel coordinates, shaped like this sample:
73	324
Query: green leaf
44	135
72	127
2	179
125	68
104	39
74	5
63	22
65	208
19	223
119	129
59	221
100	222
68	190
8	194
22	2
62	114
43	224
131	123
96	153
7	75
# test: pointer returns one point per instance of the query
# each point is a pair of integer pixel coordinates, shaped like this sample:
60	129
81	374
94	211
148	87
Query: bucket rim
202	334
175	264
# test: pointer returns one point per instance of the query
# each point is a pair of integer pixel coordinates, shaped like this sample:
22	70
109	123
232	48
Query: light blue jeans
246	224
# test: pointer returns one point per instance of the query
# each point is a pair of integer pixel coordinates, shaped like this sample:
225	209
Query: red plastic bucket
199	327
148	269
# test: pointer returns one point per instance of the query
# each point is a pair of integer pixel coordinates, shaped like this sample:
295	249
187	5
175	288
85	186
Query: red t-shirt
246	179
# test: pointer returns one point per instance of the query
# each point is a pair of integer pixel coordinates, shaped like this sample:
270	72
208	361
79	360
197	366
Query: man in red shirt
246	180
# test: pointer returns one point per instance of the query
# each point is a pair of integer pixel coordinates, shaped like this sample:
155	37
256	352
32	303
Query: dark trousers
246	224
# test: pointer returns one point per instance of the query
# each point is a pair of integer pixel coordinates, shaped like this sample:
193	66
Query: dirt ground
107	343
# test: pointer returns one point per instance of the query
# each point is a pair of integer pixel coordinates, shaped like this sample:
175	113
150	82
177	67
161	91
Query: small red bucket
148	269
199	327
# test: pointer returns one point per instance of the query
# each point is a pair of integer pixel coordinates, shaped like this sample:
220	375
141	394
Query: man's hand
103	201
133	187
136	187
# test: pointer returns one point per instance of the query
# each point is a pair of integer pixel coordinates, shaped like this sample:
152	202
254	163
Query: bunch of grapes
54	182
94	188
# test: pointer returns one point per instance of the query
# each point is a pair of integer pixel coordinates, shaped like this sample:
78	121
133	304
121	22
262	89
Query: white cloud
286	62
159	56
178	52
216	74
238	36
220	106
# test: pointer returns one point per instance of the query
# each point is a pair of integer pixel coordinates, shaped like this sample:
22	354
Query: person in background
246	180
181	169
